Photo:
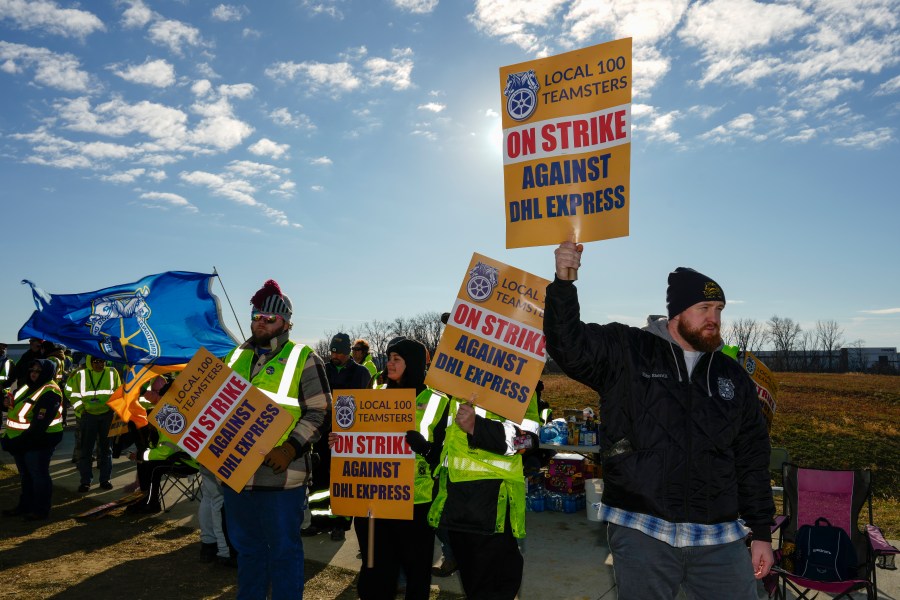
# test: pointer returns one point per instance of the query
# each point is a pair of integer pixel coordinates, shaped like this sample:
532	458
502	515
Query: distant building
873	360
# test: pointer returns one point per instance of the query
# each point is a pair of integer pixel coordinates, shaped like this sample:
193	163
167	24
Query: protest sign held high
567	146
372	466
220	419
493	345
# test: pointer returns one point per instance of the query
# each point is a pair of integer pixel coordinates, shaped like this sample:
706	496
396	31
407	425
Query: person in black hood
33	429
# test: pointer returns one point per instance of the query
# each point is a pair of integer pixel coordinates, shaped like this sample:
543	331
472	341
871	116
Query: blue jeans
265	530
95	428
648	569
37	487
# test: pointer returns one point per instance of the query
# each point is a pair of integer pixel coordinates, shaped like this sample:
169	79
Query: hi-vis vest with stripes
430	406
80	393
462	463
6	365
19	417
284	380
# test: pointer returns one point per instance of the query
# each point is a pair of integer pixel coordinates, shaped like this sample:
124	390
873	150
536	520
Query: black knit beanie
413	354
687	287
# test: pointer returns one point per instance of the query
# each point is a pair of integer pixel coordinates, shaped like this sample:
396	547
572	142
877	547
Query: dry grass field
824	420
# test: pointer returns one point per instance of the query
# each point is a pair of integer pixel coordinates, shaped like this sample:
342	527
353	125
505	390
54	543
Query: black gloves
417	442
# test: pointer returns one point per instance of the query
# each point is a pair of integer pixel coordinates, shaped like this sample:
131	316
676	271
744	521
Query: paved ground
566	556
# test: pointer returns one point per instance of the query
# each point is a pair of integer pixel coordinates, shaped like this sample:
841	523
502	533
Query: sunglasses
268	319
357	349
99	360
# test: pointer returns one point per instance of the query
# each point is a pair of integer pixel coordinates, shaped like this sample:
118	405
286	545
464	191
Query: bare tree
856	358
830	338
783	333
746	334
431	330
378	334
806	346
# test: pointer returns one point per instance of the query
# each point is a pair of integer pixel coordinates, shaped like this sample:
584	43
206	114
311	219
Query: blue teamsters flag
162	319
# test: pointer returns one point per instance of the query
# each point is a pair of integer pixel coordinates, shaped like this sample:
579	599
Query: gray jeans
648	569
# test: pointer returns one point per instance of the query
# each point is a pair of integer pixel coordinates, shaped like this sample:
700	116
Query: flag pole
238	321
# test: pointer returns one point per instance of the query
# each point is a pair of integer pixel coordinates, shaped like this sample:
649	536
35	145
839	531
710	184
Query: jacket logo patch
726	389
270	370
654	375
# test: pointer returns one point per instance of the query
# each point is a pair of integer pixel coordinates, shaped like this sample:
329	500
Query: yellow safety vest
93	401
430	406
278	379
19	417
462	463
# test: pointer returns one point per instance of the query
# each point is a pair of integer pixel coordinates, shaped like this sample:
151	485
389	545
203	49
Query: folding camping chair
182	484
839	496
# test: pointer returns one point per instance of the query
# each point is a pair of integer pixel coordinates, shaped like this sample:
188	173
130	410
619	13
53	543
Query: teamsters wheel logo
521	94
345	411
170	419
750	365
482	281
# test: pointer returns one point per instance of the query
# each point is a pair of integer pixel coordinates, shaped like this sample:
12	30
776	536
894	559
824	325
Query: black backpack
825	553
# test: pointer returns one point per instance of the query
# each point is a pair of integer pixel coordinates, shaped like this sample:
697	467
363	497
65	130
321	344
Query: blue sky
351	151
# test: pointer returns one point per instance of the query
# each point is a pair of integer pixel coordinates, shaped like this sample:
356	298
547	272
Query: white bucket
593	488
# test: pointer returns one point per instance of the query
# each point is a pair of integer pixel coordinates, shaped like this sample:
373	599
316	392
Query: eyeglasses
268	319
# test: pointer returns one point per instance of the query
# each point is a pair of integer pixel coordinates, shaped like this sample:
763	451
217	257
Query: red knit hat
270	299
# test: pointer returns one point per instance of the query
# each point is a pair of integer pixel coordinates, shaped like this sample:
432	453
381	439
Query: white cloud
322	161
729	27
238	190
891	86
48	17
396	73
250	33
823	92
647	21
174	35
416	6
434	107
870	140
804	135
124	176
266	147
247	168
324	7
137	15
341	77
516	22
882	311
743	126
165	200
228	12
491	113
335	78
60	71
654	125
201	88
284	117
207	71
158	73
317	188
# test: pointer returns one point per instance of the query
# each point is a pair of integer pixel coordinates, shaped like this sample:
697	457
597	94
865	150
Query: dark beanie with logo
687	287
414	355
340	343
270	299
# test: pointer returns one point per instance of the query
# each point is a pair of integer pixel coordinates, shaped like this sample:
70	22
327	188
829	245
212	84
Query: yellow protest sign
220	419
372	466
493	345
766	386
567	146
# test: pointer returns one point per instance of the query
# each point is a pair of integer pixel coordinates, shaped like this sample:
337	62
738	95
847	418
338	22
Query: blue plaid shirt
678	535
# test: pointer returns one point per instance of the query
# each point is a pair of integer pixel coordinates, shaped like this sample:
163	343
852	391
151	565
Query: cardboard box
566	464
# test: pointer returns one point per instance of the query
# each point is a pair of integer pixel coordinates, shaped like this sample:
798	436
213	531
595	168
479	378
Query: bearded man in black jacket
684	443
